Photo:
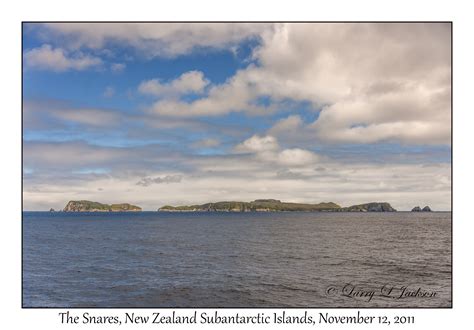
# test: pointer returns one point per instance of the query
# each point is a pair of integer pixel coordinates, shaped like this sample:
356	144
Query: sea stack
418	209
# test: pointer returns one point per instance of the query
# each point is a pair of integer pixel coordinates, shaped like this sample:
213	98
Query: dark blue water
287	259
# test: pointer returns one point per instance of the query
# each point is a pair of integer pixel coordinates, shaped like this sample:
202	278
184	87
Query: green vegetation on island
88	206
369	207
274	205
258	205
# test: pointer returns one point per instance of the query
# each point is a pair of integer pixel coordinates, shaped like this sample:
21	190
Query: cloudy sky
156	114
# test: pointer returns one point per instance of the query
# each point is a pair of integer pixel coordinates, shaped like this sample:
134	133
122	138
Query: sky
182	113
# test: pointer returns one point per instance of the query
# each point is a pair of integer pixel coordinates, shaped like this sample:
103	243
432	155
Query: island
369	207
275	205
418	209
88	206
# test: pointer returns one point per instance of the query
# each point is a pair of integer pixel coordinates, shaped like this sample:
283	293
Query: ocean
213	259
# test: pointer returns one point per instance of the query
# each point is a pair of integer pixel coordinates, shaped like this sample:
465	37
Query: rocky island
274	205
88	206
418	209
369	207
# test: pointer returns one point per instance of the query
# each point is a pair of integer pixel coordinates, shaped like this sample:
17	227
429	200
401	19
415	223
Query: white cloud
374	82
167	179
327	62
188	82
267	149
69	155
258	143
52	115
297	157
371	80
152	39
109	91
56	59
235	95
408	116
118	67
92	117
292	130
207	143
286	125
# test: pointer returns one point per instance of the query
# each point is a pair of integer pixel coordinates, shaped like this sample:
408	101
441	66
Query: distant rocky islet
419	209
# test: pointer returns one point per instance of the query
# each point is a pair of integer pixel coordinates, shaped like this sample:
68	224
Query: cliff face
88	206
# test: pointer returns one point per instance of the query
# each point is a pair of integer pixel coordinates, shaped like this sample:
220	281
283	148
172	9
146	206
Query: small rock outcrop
418	209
